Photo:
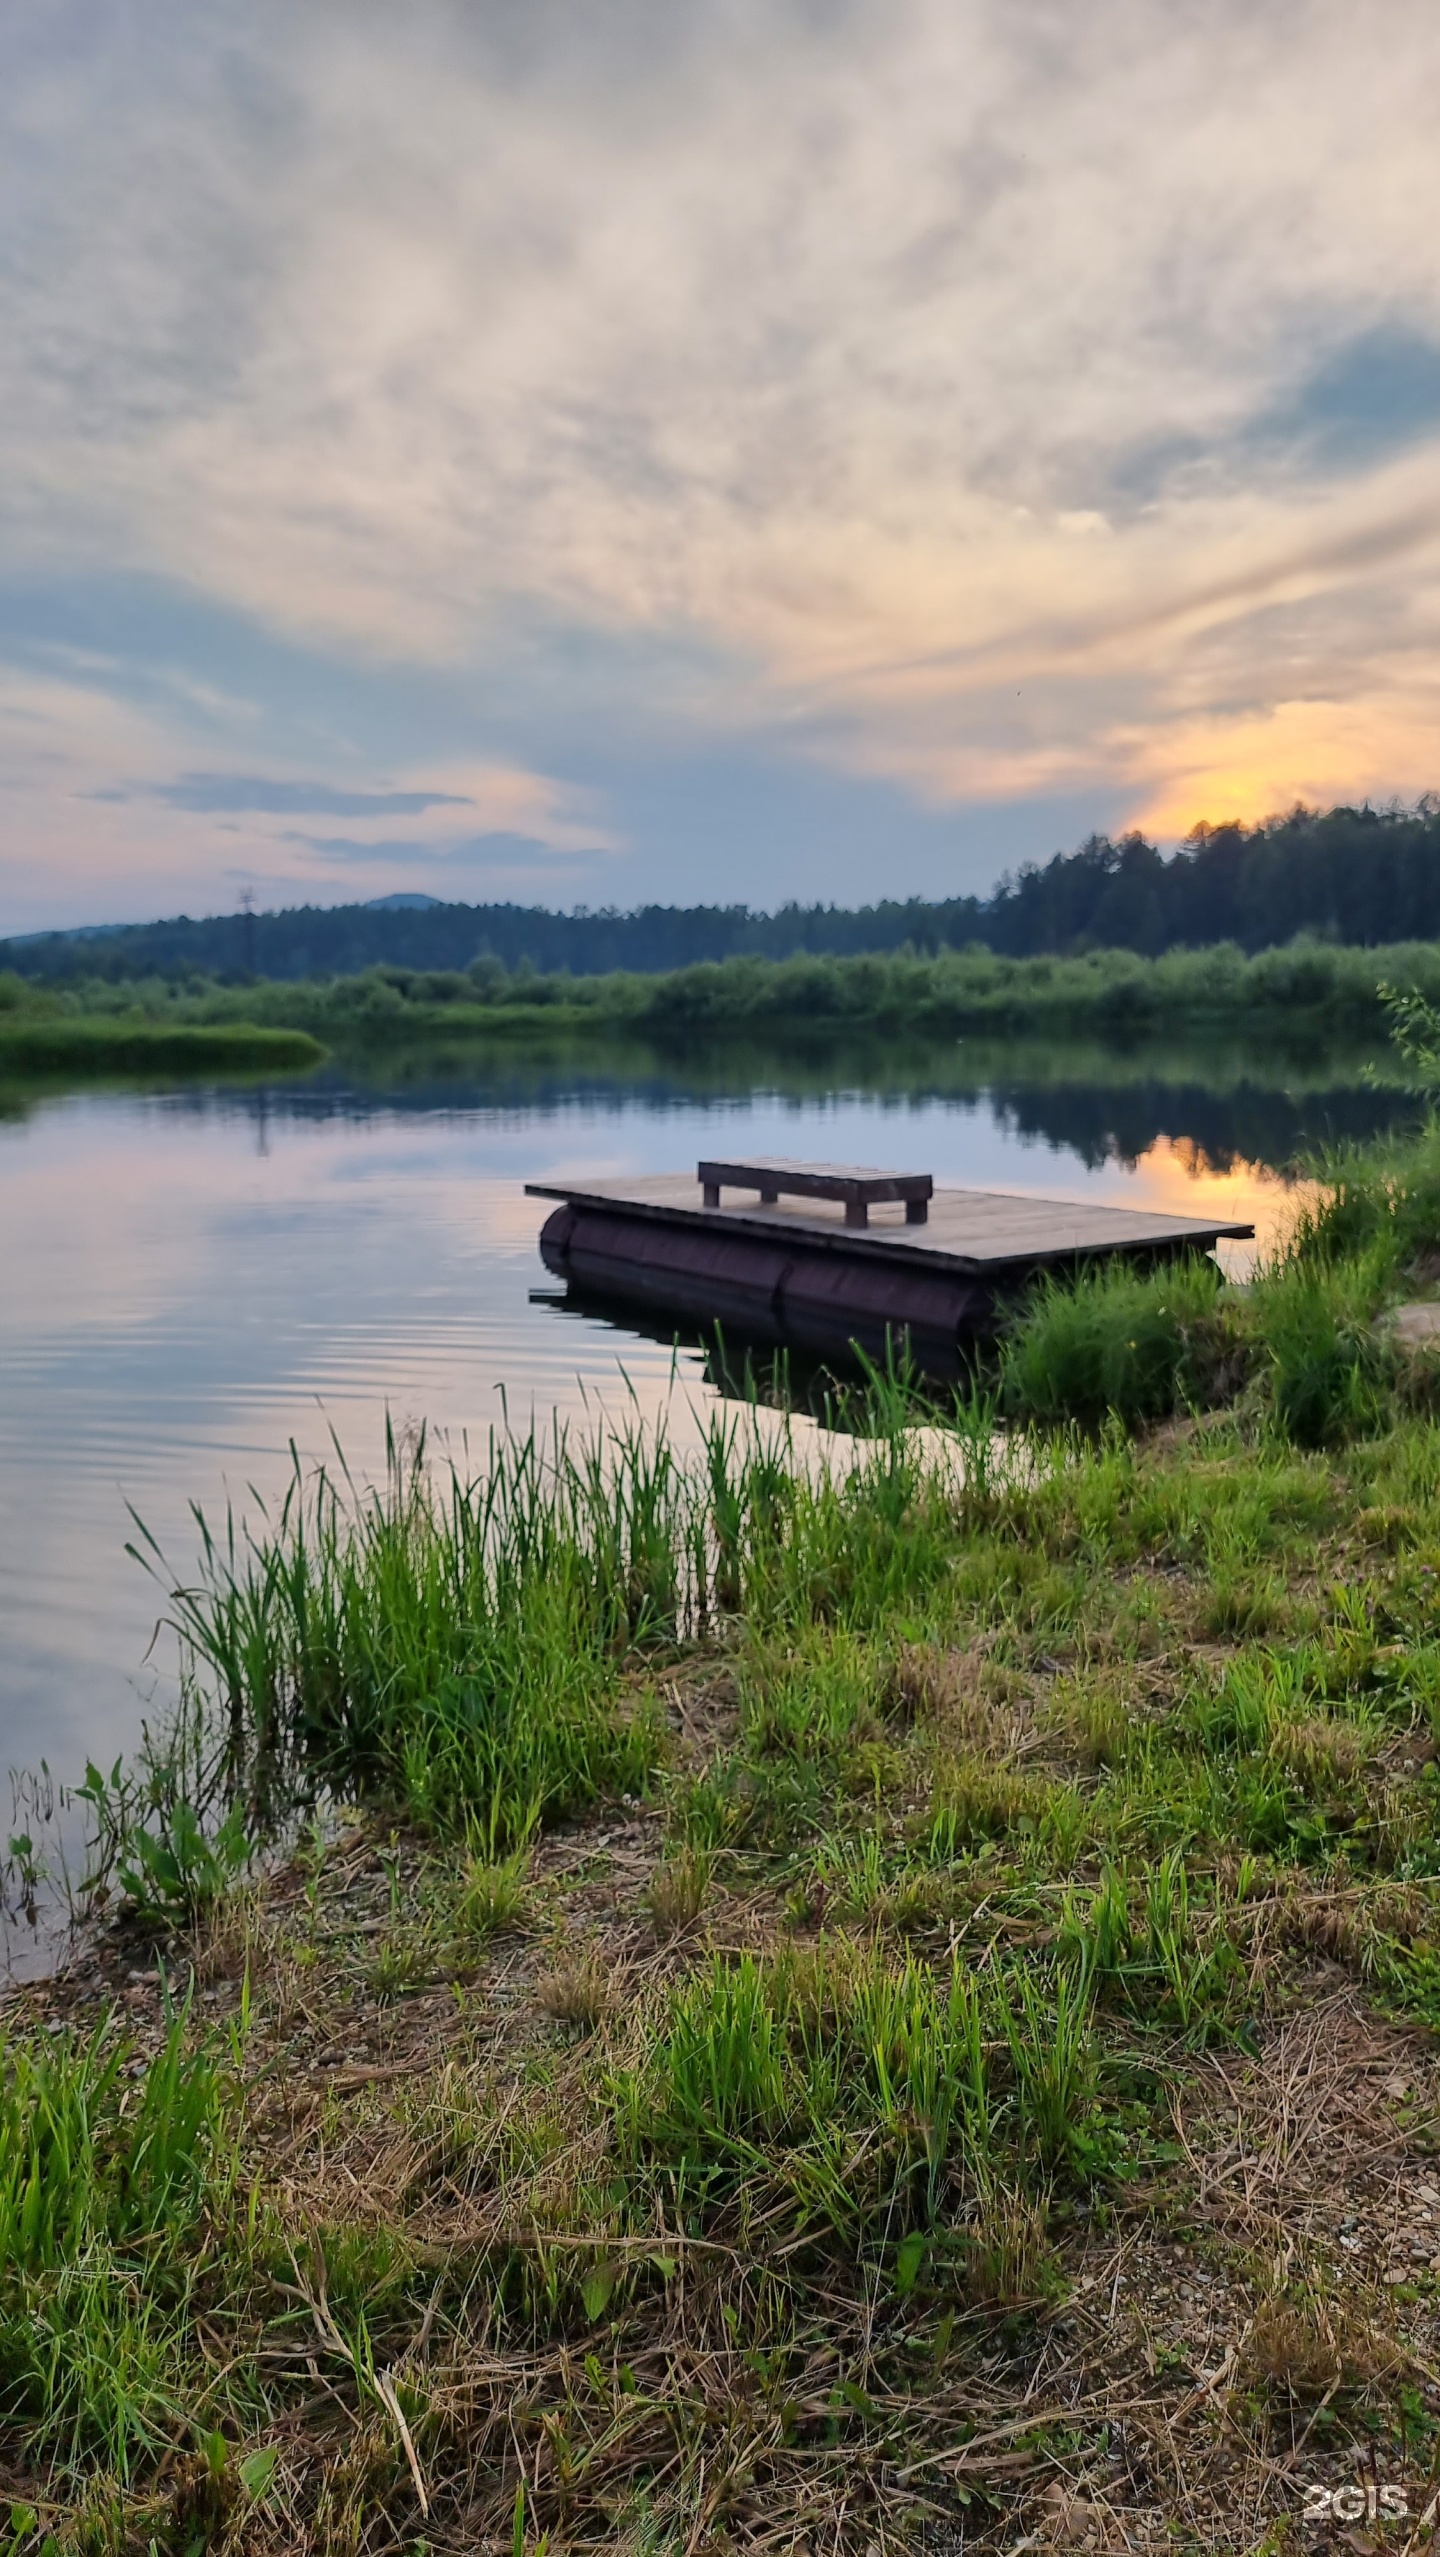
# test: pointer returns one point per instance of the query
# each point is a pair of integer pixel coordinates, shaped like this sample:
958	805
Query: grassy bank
38	1039
870	1999
1315	988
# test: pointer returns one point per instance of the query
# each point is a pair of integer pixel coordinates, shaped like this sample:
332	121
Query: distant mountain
1359	875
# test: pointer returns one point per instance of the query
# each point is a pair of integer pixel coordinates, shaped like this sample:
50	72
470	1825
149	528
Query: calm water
189	1281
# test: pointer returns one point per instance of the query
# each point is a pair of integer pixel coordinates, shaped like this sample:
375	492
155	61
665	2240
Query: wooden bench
861	1189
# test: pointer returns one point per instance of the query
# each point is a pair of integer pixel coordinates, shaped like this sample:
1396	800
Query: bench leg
770	1197
712	1194
857	1212
917	1211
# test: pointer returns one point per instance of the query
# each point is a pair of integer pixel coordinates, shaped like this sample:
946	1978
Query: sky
585	452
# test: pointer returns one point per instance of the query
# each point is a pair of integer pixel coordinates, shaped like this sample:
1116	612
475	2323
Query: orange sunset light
1176	1177
1318	752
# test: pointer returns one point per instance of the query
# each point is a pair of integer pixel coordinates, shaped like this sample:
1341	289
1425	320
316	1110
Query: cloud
482	850
89	834
998	399
253	792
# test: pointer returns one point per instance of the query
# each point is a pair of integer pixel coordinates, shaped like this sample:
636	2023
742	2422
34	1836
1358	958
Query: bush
1378	1199
1138	1344
1325	1368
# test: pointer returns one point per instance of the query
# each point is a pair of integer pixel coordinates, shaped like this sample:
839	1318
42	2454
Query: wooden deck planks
971	1230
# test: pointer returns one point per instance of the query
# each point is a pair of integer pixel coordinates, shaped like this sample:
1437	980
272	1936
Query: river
192	1280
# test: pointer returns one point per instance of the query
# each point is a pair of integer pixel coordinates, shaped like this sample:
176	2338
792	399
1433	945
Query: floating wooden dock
832	1253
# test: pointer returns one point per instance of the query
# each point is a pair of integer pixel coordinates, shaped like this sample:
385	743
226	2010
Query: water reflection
1232	1104
193	1280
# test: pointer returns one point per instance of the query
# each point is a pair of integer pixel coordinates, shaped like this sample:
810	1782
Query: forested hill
1361	876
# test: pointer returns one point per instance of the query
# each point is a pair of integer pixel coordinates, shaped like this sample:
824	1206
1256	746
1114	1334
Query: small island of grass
41	1033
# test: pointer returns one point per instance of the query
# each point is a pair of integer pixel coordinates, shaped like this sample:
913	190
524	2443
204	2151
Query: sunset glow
392	398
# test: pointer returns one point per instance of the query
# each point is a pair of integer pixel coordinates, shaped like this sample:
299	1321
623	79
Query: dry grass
1323	1756
1305	2349
1220	2283
678	1890
1009	2261
966	1702
466	2129
1094	1721
578	1992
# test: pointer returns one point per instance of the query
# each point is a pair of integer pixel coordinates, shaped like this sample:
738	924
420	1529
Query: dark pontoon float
821	1254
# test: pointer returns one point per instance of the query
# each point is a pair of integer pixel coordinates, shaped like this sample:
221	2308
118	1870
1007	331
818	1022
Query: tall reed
465	1645
449	1640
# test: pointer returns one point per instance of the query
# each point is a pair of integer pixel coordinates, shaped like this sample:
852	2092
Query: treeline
1358	876
341	941
1313	985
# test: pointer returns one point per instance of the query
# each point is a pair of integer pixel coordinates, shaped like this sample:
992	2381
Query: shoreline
831	2003
86	1045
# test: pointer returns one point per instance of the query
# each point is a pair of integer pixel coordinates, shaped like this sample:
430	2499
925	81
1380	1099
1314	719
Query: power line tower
247	938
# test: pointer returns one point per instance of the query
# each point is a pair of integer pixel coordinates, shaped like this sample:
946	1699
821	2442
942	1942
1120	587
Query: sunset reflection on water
1177	1175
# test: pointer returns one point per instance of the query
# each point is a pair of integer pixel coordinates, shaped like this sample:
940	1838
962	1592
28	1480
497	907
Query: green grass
111	2189
121	1044
749	1995
1379	1205
447	1643
1303	1342
1140	1345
